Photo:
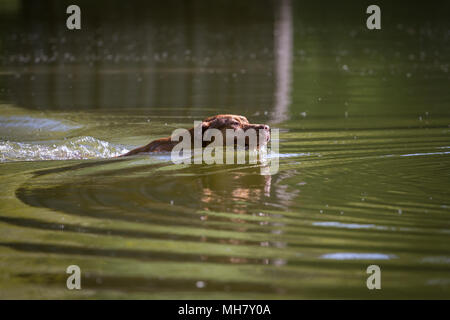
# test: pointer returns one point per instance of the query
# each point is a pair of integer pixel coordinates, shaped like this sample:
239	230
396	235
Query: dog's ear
244	119
215	123
205	125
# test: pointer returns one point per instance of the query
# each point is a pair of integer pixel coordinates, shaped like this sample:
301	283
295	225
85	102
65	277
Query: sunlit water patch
357	256
34	124
336	224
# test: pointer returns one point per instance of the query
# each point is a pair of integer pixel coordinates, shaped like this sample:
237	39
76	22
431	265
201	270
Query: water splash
76	148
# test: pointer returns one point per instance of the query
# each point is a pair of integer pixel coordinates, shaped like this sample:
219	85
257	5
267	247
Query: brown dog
220	122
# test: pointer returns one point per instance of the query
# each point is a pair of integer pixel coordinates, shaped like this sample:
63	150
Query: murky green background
364	178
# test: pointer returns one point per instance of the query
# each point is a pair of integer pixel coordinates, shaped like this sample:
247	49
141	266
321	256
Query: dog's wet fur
221	122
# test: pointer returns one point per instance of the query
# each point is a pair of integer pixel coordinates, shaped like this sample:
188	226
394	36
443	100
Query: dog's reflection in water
239	193
246	191
234	191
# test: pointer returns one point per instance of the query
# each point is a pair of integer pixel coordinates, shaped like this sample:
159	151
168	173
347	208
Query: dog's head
240	124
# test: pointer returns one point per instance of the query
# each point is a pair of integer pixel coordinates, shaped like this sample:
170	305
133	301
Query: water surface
364	174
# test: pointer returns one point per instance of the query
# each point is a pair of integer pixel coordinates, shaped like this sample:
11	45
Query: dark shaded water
364	172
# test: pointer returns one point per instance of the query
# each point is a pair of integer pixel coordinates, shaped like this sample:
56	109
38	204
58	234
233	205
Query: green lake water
364	151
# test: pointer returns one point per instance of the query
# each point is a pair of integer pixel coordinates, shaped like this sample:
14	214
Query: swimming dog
220	122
